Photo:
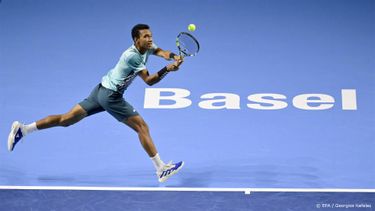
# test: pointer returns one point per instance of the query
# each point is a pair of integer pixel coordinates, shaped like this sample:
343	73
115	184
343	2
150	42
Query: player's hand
175	65
177	57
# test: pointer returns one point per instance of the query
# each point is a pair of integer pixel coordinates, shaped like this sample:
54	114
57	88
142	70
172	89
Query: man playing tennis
108	96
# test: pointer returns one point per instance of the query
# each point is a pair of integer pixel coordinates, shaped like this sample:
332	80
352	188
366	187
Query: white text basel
177	98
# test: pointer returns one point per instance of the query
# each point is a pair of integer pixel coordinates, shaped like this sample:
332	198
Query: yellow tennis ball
191	27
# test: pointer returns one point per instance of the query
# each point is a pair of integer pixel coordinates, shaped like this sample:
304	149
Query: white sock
158	163
27	129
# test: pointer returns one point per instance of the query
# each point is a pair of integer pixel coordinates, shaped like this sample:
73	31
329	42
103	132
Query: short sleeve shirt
127	68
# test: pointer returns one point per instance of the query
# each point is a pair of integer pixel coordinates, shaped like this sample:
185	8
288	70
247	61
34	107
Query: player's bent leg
76	114
19	130
139	125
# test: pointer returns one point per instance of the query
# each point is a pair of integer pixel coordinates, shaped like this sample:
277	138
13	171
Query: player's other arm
168	55
156	77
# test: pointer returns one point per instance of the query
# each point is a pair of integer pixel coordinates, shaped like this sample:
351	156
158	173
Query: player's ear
136	38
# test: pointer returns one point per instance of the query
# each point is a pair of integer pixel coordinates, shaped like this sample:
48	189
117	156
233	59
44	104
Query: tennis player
108	96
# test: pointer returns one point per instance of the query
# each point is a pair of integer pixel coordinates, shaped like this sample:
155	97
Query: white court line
182	189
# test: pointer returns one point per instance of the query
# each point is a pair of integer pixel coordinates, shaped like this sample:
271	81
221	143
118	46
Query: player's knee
65	123
66	120
142	127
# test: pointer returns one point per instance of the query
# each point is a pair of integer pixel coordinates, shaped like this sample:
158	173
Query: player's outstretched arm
156	77
168	55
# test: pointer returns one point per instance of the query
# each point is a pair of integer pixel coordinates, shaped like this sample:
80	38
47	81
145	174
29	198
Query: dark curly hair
137	28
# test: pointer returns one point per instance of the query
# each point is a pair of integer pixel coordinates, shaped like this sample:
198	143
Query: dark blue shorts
103	99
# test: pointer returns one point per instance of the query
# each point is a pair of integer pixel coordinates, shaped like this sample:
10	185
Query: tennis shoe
169	170
15	135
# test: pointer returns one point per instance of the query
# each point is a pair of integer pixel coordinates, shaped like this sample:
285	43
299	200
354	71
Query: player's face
145	39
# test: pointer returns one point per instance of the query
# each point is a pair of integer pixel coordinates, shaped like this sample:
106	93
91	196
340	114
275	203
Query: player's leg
85	108
163	171
19	130
140	127
76	114
114	103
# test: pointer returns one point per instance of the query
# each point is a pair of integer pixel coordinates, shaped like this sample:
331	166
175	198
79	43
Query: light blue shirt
127	68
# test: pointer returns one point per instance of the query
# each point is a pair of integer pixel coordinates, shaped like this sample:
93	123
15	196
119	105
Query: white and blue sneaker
15	135
169	170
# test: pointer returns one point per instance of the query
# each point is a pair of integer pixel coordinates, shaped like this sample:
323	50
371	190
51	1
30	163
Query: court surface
280	105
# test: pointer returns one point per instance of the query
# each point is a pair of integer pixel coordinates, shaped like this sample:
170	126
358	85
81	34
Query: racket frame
181	51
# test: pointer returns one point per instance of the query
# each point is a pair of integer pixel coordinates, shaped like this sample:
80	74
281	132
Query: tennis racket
187	44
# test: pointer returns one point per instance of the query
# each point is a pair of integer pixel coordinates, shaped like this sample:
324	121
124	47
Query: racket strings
188	45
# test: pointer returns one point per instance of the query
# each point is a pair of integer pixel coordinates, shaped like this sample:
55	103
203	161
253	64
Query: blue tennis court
169	199
278	103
